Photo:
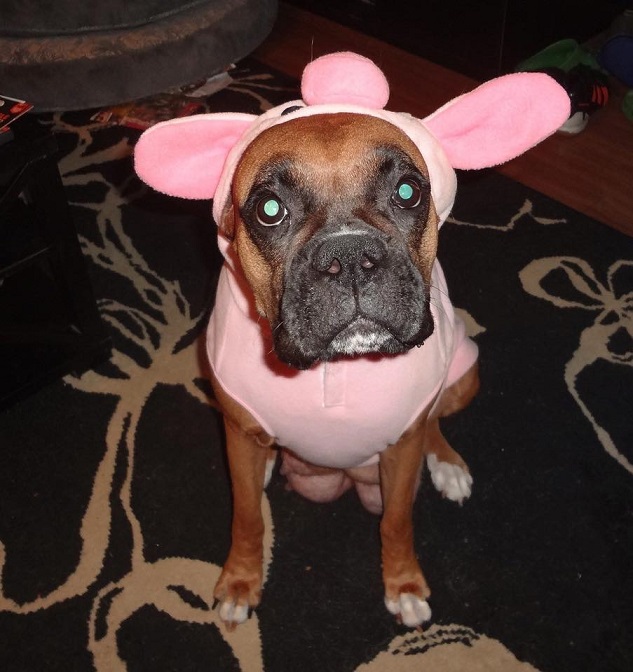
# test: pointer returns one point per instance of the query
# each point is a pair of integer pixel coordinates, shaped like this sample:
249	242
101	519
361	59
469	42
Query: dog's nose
349	252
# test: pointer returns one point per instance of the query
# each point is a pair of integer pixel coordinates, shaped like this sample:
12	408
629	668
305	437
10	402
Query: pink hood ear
499	119
185	157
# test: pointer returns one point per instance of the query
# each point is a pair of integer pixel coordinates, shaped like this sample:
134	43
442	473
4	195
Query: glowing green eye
405	191
270	211
407	194
271	208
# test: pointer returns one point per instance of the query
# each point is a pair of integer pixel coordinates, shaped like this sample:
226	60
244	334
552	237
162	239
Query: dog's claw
410	609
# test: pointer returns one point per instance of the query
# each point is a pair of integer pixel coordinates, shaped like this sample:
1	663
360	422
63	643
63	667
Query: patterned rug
114	494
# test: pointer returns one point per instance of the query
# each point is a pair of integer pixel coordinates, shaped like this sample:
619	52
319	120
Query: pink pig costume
344	413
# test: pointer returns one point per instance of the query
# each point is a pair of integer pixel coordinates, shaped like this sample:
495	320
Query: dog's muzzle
351	291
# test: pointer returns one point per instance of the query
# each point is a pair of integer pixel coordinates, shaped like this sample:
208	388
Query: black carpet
115	500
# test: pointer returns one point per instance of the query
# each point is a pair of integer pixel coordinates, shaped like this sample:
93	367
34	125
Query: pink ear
185	157
499	119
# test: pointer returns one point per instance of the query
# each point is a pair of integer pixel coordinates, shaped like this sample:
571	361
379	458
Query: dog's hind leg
449	472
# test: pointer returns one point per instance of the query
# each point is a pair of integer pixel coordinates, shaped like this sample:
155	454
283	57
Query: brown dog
332	336
317	172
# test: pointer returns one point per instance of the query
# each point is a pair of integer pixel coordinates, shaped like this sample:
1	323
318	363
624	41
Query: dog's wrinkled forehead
336	154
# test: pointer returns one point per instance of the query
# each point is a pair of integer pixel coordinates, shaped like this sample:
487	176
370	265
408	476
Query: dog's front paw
409	608
452	480
407	593
237	596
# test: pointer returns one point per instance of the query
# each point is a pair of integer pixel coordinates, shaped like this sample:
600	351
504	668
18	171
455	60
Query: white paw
233	614
412	610
450	479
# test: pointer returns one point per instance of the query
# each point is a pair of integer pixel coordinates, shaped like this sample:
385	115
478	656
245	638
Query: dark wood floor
591	172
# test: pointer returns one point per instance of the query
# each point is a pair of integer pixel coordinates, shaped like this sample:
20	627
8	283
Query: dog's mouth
362	336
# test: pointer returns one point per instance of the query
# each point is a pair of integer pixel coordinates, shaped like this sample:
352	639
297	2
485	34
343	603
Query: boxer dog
332	339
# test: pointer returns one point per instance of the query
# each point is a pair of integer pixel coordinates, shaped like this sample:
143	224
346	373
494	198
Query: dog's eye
270	211
407	194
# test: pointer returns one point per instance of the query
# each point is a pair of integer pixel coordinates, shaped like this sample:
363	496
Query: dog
332	339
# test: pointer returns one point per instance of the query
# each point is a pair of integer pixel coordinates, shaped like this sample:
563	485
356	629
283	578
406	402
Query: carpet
114	493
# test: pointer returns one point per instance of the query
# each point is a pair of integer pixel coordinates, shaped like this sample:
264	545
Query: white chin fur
359	341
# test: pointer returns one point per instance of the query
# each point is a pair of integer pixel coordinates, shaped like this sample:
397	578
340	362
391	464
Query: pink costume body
336	414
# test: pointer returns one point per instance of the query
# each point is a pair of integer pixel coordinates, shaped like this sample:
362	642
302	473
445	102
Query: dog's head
336	231
332	207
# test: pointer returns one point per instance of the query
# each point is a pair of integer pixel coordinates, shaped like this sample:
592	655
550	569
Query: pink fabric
345	78
500	119
185	157
336	414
